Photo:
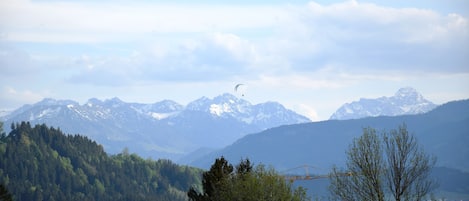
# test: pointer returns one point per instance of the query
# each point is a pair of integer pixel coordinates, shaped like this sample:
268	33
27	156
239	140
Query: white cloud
307	111
364	35
292	50
11	96
103	22
213	37
241	49
14	61
302	82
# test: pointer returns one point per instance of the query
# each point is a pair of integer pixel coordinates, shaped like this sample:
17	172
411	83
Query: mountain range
167	129
443	132
405	101
164	129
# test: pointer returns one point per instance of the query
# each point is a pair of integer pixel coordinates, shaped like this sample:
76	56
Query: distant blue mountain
443	132
164	129
405	101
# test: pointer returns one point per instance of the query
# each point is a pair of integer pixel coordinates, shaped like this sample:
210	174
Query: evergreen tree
41	163
214	182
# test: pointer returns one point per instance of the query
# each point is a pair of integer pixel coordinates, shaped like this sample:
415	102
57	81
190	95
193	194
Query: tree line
42	163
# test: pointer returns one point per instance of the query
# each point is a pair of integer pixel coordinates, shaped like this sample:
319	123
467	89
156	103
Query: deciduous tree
408	167
391	164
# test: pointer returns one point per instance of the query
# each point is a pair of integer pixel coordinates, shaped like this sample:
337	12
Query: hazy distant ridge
442	132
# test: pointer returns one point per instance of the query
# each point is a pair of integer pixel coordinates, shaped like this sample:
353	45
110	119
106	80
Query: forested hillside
42	163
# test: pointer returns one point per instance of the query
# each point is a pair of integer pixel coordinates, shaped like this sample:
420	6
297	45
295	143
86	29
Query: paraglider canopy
240	89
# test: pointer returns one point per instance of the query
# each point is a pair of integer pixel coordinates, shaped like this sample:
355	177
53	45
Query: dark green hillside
41	163
443	132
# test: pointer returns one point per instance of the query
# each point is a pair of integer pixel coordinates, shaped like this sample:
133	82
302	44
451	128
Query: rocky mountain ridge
162	129
405	101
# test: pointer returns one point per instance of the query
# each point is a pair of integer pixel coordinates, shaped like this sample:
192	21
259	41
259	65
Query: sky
310	56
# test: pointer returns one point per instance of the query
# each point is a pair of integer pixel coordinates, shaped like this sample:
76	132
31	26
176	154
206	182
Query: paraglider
237	89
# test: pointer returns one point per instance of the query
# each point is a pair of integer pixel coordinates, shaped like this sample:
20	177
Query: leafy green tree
264	184
379	166
365	164
247	183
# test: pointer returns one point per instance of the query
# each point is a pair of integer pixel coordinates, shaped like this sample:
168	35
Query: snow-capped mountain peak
198	104
114	102
219	109
406	92
93	101
405	101
231	105
51	102
159	110
409	95
219	105
265	115
167	106
148	127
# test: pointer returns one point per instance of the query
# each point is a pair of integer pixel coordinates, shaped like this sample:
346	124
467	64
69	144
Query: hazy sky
311	56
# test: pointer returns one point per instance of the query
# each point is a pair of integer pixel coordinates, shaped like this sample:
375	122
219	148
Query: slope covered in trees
41	163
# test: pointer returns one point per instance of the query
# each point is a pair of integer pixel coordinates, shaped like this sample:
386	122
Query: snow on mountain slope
161	129
264	115
405	101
